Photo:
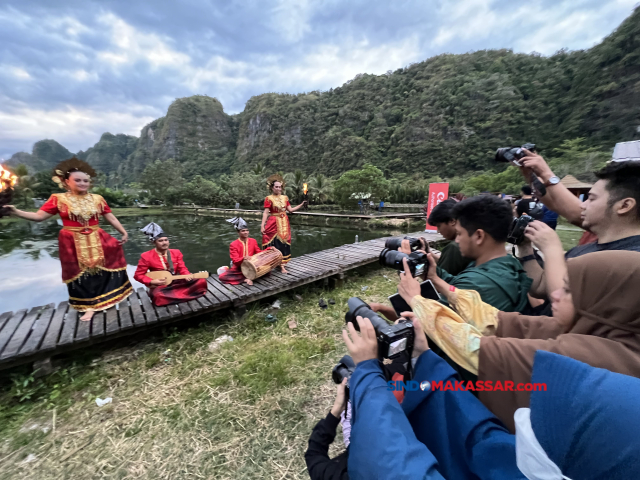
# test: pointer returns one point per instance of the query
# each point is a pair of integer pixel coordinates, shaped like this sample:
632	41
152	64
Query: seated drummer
163	258
243	247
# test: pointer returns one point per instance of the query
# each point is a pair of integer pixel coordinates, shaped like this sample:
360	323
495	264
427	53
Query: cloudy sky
73	69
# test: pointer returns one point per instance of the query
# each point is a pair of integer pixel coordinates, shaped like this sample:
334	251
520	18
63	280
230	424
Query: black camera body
395	243
417	261
393	340
513	154
344	369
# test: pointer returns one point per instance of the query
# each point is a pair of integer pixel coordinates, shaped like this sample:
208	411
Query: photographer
319	465
482	228
611	211
450	259
387	443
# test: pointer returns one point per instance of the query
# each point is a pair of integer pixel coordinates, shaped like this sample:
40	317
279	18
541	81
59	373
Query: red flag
437	193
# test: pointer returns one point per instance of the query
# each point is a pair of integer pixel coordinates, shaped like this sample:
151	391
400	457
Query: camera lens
359	308
393	243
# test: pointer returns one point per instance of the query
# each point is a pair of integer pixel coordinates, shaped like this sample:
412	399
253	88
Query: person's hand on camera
420	344
364	346
543	236
408	287
340	402
405	246
532	162
435	253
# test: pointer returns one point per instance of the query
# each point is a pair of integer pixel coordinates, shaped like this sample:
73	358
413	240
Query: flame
304	188
7	179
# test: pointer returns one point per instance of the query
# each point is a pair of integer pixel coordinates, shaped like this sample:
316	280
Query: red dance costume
93	264
277	231
180	290
238	250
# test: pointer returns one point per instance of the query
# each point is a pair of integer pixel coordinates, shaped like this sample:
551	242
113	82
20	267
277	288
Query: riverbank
118	212
180	409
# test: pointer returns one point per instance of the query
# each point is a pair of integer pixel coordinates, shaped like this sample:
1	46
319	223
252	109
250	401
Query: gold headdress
275	178
69	166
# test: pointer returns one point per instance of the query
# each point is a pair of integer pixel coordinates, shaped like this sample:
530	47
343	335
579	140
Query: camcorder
417	261
393	340
344	369
395	243
518	226
513	155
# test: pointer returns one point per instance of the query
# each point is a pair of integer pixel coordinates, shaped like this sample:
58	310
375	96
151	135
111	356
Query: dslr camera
393	340
395	243
417	261
518	226
344	369
513	155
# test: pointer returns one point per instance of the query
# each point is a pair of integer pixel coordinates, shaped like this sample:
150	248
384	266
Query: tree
366	183
578	159
321	188
204	192
164	180
25	187
295	182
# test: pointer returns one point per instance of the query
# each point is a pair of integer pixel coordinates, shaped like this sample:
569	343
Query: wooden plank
163	313
149	311
4	318
98	323
112	324
214	302
53	332
195	306
10	327
174	311
204	302
125	315
185	308
69	327
225	287
21	333
136	310
83	332
38	330
216	287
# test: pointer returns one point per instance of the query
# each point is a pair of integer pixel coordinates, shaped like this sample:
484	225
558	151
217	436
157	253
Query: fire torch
305	197
7	181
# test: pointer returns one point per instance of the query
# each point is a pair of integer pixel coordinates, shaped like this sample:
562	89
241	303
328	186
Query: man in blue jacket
458	438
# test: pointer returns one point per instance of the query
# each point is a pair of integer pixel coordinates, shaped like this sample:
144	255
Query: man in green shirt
450	259
481	232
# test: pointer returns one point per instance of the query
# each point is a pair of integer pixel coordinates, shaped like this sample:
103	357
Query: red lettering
488	385
459	386
470	387
542	387
508	386
498	386
479	386
448	386
436	385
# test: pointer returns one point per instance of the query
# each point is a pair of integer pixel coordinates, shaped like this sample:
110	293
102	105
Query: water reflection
30	272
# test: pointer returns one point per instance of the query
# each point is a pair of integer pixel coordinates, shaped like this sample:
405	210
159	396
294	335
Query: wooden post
239	312
336	281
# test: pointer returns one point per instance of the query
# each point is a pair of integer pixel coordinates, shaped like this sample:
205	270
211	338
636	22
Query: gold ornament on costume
275	178
69	166
81	208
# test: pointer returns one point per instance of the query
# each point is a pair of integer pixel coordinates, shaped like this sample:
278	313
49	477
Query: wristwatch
552	181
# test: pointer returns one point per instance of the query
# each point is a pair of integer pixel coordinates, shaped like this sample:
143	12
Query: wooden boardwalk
41	332
353	216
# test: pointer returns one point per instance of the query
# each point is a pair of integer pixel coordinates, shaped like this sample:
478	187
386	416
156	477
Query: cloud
71	70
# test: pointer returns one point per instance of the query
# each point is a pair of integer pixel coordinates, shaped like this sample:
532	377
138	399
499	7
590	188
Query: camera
513	154
417	261
393	340
518	226
395	243
344	369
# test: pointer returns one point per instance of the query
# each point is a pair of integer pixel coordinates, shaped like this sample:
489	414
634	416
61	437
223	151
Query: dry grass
182	411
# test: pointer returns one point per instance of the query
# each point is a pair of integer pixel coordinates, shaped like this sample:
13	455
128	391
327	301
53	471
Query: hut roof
572	182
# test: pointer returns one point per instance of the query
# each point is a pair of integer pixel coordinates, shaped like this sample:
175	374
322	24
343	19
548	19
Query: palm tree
322	187
295	183
260	170
24	190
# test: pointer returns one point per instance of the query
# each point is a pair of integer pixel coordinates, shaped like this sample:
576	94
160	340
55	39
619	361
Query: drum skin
261	263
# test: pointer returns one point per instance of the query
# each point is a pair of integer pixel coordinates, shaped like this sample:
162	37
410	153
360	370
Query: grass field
179	409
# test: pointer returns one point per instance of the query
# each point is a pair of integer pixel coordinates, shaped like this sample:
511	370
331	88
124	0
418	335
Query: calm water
30	273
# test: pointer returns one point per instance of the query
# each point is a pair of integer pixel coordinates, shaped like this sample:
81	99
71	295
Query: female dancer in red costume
93	264
239	249
276	231
163	258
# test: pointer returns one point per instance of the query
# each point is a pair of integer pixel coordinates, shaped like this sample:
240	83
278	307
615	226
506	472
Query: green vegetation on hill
110	152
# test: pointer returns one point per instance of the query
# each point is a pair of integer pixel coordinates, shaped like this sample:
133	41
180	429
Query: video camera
417	261
393	340
518	226
513	155
395	243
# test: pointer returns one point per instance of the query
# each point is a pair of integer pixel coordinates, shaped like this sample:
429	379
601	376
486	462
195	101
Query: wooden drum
261	263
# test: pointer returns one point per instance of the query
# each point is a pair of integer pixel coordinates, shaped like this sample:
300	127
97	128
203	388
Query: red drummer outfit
179	290
277	231
238	250
93	263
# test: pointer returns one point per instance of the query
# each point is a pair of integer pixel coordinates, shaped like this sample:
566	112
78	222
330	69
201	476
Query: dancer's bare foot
248	282
282	269
88	315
